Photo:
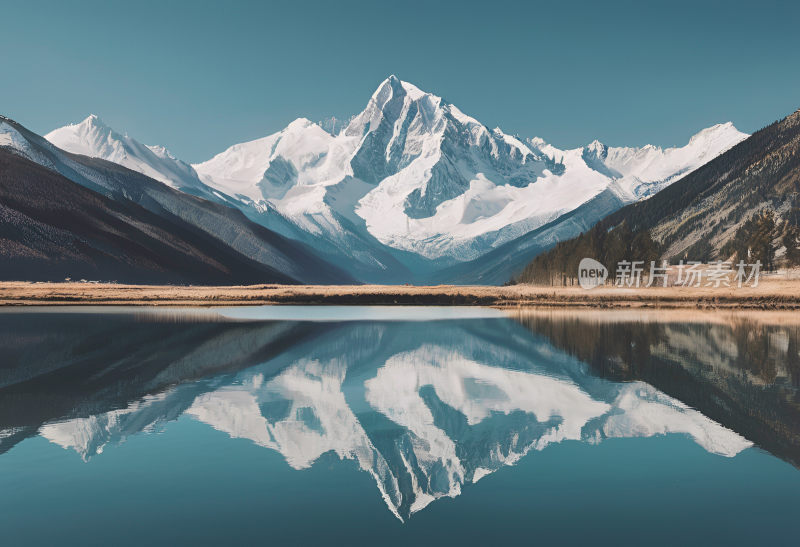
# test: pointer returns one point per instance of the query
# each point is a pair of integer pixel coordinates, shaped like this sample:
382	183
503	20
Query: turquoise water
220	427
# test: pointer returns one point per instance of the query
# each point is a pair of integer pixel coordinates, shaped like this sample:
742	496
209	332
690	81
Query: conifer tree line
760	238
559	266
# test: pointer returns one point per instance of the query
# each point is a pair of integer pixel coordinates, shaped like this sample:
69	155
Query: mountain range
71	215
708	214
411	189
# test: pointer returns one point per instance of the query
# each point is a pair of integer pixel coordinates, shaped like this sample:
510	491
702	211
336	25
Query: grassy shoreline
771	294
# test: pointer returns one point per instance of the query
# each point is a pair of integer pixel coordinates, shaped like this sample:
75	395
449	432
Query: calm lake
407	426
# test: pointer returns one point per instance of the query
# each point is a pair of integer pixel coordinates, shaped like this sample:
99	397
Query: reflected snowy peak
424	411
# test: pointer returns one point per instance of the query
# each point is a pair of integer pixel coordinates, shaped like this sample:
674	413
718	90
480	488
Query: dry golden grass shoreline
770	294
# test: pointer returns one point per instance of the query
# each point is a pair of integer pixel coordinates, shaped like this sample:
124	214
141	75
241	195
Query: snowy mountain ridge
410	180
93	138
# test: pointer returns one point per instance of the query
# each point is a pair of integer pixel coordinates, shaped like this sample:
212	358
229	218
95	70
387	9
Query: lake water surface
382	426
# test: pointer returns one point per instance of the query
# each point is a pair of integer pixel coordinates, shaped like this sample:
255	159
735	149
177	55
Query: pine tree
791	240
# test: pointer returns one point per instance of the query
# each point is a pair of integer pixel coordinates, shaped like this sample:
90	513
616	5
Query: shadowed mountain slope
268	256
51	228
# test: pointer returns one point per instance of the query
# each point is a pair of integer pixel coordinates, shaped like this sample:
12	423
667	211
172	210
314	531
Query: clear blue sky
200	76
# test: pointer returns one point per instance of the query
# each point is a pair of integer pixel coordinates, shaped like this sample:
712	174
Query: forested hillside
743	205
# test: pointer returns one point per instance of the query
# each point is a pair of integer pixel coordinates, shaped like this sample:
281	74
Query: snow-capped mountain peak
648	169
419	175
92	120
393	102
720	130
597	148
393	86
89	137
268	167
162	152
92	137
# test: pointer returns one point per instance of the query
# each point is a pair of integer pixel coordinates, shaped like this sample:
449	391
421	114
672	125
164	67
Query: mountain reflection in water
423	407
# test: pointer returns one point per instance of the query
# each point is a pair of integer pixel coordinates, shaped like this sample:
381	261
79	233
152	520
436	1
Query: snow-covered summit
93	138
419	175
646	170
302	154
